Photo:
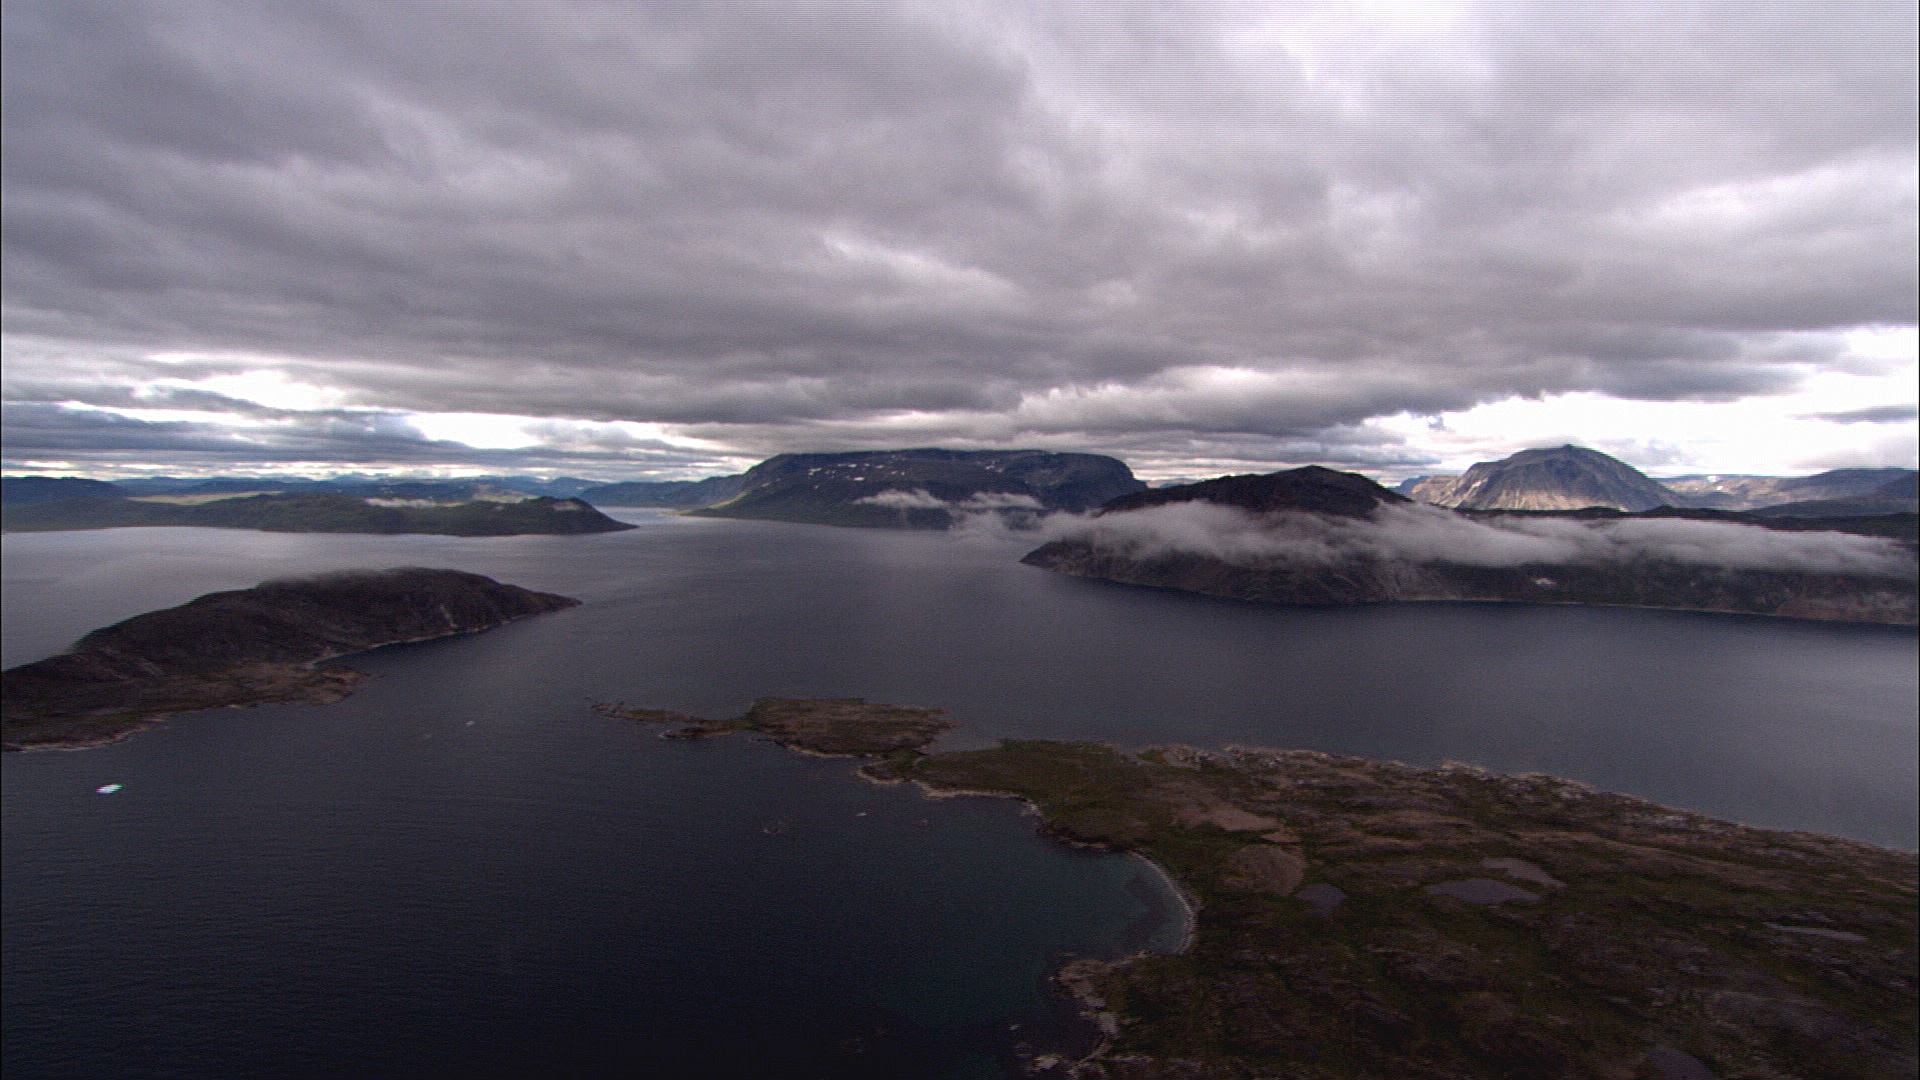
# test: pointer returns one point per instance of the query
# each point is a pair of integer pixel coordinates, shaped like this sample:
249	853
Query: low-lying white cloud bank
980	503
1428	534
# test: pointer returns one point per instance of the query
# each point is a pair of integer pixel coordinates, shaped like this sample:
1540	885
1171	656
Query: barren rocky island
246	647
1360	919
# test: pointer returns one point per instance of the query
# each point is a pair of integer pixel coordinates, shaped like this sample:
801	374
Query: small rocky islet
1362	919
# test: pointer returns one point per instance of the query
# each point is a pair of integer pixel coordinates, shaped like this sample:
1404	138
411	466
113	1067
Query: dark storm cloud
1210	225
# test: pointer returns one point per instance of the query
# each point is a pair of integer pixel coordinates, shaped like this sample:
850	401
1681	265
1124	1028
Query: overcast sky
633	239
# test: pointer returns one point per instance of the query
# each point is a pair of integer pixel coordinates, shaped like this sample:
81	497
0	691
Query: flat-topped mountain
923	489
1315	536
246	647
1550	478
320	512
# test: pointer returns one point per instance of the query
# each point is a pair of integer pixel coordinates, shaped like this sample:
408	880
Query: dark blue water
462	871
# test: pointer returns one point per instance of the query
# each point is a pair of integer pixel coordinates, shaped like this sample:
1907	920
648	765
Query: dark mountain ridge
246	646
1312	488
669	494
322	512
22	490
1315	536
1838	508
560	487
924	488
1746	492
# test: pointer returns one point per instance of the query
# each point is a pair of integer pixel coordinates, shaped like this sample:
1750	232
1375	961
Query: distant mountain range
1574	477
1860	490
324	511
18	490
924	488
935	488
913	489
669	494
24	489
1316	536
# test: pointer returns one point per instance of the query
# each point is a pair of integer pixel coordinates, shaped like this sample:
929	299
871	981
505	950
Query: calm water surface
461	871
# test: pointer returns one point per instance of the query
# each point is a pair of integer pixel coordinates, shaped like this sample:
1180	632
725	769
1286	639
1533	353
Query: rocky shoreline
1360	919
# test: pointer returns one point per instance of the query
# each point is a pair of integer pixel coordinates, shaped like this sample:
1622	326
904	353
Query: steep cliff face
1556	478
1312	536
248	646
923	489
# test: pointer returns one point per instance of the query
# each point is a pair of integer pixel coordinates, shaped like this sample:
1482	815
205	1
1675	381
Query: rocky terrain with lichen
1361	919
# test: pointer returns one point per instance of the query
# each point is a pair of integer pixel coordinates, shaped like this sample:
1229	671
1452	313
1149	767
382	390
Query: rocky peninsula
1360	919
1317	536
245	647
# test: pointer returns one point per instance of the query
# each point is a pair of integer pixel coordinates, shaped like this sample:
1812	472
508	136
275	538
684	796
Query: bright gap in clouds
1892	345
1169	427
495	431
1788	434
266	386
482	431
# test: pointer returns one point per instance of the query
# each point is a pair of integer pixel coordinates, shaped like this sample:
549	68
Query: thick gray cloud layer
334	439
1209	228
